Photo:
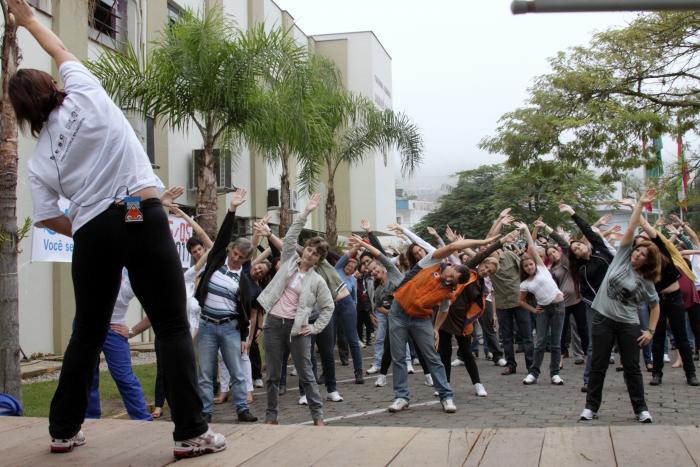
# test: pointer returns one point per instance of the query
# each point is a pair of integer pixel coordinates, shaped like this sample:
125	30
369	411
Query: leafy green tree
481	194
600	102
202	72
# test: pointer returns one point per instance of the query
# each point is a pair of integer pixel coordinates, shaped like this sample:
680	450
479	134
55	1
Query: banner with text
49	246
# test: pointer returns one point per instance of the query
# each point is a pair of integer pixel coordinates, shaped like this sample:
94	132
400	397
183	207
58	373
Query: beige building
46	291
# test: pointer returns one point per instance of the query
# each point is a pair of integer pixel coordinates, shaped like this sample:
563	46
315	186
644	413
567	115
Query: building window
108	22
174	12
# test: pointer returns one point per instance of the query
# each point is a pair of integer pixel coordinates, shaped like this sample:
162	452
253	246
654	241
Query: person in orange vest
429	284
466	309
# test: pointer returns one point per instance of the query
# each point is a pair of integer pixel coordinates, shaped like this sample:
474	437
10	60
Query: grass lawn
36	397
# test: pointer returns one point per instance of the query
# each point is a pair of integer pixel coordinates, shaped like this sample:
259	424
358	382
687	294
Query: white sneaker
66	445
428	380
448	405
587	415
381	381
644	417
436	394
398	405
293	372
667	359
303	401
457	362
258	383
501	362
362	345
206	443
410	369
556	379
334	397
372	370
530	379
415	361
480	390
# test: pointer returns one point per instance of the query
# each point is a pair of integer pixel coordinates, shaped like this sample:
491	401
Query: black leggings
103	247
671	306
579	312
463	345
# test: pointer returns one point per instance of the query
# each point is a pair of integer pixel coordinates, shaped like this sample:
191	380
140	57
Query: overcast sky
458	65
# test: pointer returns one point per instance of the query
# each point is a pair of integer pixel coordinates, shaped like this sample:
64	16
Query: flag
685	176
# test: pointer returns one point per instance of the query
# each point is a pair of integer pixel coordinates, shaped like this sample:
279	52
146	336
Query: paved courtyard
509	402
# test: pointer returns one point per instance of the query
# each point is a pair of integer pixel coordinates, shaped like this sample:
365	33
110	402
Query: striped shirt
222	293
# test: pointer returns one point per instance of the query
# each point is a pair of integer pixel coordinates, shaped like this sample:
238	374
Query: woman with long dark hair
628	282
88	153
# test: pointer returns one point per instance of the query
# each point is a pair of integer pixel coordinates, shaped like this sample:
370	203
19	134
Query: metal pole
574	6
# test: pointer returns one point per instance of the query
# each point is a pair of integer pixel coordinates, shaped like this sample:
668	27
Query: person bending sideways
549	312
288	301
428	284
628	282
88	153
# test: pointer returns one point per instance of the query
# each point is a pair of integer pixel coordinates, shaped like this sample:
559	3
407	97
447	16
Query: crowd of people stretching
420	299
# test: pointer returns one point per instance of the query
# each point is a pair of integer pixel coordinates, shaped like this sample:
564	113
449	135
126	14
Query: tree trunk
285	218
10	375
207	191
331	214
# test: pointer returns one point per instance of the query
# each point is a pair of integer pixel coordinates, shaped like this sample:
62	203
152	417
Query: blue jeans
382	322
118	357
550	322
346	318
643	314
508	320
210	339
401	326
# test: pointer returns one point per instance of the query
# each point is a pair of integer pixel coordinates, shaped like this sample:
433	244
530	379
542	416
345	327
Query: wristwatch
651	331
131	333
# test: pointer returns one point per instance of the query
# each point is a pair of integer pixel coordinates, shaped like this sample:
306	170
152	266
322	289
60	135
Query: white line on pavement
367	413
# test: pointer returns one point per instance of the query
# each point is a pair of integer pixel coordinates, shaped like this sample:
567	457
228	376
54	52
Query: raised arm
561	241
196	228
414	238
290	240
458	245
503	218
484	253
628	236
23	15
531	247
586	229
687	229
226	231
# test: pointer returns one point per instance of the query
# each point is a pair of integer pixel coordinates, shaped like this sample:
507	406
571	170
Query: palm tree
287	127
357	128
10	379
205	72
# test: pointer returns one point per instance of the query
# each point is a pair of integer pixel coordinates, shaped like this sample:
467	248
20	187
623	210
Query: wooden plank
246	443
479	446
303	447
690	436
436	447
650	445
16	423
514	447
368	446
577	446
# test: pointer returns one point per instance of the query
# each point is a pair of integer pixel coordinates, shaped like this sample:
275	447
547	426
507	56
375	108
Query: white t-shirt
695	265
121	306
193	309
542	286
90	143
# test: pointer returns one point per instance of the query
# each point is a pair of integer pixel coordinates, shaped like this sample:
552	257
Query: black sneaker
693	380
584	388
246	416
282	390
359	379
655	380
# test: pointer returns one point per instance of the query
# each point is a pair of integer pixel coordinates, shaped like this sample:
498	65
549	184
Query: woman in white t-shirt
87	152
538	281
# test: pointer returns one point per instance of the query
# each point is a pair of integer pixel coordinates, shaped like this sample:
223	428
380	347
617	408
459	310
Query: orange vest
475	310
421	294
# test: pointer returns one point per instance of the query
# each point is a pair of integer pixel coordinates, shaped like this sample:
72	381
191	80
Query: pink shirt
288	304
